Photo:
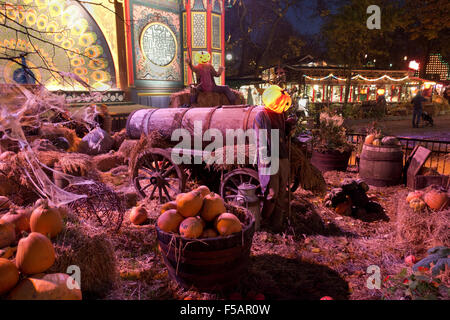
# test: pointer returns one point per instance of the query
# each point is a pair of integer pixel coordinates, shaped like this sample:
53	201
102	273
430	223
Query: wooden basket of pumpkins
205	243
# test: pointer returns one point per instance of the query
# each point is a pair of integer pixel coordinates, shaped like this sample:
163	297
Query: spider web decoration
101	206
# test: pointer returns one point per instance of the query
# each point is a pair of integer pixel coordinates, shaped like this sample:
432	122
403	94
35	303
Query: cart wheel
155	174
233	179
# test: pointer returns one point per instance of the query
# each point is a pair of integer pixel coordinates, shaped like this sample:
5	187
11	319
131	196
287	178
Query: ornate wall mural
62	36
156	35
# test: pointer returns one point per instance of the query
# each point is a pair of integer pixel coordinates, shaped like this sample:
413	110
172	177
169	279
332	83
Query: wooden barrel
166	121
209	265
331	160
381	166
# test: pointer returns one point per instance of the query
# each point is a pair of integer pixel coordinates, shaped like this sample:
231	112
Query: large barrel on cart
154	172
166	121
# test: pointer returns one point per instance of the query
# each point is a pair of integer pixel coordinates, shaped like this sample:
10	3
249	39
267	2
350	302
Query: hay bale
106	162
205	99
93	254
422	230
126	148
119	138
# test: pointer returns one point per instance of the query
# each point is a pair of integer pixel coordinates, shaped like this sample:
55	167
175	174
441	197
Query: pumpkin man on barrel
205	73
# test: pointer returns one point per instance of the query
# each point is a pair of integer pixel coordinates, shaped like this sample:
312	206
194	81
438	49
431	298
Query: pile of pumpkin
198	214
378	140
35	254
435	199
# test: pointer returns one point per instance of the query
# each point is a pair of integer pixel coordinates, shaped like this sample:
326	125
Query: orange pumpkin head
276	99
202	57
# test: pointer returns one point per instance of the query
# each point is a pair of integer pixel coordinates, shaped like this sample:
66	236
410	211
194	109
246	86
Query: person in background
447	94
418	108
274	187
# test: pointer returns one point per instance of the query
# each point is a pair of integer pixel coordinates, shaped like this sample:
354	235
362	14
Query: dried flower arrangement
331	134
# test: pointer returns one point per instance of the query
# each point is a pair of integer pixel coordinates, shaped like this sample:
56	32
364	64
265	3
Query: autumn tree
427	22
261	35
349	40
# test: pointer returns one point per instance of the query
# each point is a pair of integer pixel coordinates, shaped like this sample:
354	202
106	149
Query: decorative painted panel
198	30
185	69
216	31
158	44
216	62
64	38
155	46
184	30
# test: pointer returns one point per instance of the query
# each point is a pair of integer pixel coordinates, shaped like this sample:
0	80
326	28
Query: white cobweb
19	108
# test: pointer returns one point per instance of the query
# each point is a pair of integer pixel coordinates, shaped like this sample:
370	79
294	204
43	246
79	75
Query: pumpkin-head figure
202	57
276	99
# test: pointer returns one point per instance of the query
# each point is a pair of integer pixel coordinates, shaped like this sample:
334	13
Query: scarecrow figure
274	184
205	73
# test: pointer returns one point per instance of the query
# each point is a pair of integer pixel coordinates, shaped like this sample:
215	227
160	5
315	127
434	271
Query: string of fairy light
358	76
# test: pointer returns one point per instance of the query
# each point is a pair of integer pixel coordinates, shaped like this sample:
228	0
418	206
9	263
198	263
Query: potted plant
331	150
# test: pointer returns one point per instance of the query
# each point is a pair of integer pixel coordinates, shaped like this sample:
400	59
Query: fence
440	151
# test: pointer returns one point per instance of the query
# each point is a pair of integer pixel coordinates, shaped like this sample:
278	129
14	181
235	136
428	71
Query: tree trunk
348	85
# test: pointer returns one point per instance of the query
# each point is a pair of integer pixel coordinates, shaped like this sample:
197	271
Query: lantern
276	99
414	65
202	57
381	92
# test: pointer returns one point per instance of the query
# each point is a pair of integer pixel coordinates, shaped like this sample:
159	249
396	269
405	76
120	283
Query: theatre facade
132	50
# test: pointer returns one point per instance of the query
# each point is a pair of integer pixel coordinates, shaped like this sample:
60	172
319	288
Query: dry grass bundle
79	245
205	99
218	158
308	176
422	230
76	164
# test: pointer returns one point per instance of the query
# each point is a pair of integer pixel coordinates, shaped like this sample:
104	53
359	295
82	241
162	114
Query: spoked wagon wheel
233	179
155	175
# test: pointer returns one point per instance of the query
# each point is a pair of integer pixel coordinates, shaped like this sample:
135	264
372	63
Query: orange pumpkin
191	228
204	190
46	220
369	139
436	199
189	204
19	218
376	142
138	215
7	234
169	221
227	224
35	254
344	208
213	206
209	233
414	195
46	287
172	205
9	276
276	99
